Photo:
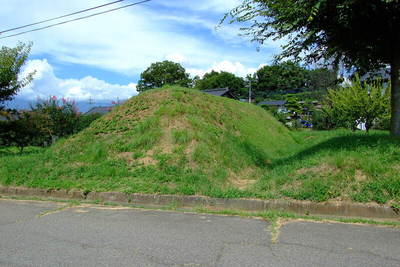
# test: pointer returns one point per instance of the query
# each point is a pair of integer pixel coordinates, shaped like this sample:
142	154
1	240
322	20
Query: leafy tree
43	124
163	73
293	104
280	77
22	130
11	62
359	33
222	79
62	117
359	103
321	79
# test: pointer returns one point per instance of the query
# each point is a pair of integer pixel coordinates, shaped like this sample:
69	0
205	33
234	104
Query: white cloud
236	68
176	57
206	5
46	84
129	40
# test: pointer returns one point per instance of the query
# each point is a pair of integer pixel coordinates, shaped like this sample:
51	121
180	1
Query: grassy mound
181	141
171	140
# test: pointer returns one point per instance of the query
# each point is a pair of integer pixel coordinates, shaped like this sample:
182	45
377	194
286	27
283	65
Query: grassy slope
164	141
339	165
180	141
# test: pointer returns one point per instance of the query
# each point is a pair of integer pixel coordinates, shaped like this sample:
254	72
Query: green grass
180	141
338	165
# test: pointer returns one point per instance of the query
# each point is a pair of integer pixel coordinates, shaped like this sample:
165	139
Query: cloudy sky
102	57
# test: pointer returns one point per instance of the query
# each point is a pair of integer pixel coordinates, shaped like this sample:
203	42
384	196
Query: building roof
224	92
272	103
217	91
99	110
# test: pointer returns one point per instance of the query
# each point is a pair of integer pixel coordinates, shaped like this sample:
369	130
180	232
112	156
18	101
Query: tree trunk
395	79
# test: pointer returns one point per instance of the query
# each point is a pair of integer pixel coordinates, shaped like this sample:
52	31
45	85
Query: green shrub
359	102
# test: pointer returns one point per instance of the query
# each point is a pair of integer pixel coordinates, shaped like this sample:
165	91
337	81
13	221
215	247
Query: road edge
330	208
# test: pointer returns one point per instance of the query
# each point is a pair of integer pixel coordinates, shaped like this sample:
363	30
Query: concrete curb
345	209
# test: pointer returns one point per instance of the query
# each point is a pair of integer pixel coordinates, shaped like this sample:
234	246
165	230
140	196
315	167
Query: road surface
54	234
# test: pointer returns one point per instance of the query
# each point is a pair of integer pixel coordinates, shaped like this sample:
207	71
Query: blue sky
102	57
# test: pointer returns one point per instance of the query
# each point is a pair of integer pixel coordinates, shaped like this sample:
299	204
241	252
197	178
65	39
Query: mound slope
170	140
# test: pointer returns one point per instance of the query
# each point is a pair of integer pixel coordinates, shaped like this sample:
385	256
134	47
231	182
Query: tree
61	117
11	62
223	79
43	124
359	33
294	106
22	130
163	73
359	102
280	77
321	79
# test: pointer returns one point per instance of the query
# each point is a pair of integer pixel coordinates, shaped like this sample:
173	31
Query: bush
359	102
46	122
62	117
26	130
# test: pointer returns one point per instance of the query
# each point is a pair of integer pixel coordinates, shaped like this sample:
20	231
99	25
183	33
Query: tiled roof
217	91
273	103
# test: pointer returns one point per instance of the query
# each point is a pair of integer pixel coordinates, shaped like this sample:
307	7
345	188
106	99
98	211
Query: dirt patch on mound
360	176
321	170
147	161
242	180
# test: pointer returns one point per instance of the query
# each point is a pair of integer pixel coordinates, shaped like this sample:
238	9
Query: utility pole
250	90
91	101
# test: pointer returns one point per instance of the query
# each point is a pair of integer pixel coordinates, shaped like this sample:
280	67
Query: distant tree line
268	80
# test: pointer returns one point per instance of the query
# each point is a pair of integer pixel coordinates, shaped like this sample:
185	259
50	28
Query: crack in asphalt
53	211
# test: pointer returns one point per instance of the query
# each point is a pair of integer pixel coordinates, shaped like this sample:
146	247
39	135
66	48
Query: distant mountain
83	106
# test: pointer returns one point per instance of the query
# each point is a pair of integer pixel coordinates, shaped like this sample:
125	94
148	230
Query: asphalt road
52	234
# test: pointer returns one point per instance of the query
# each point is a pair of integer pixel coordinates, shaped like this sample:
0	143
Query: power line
80	18
60	17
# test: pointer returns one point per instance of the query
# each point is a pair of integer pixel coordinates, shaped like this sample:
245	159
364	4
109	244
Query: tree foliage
11	62
280	77
322	79
213	80
47	121
22	130
359	33
359	102
61	117
163	73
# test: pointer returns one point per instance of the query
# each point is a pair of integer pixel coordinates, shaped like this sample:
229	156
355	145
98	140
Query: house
224	92
279	105
99	110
